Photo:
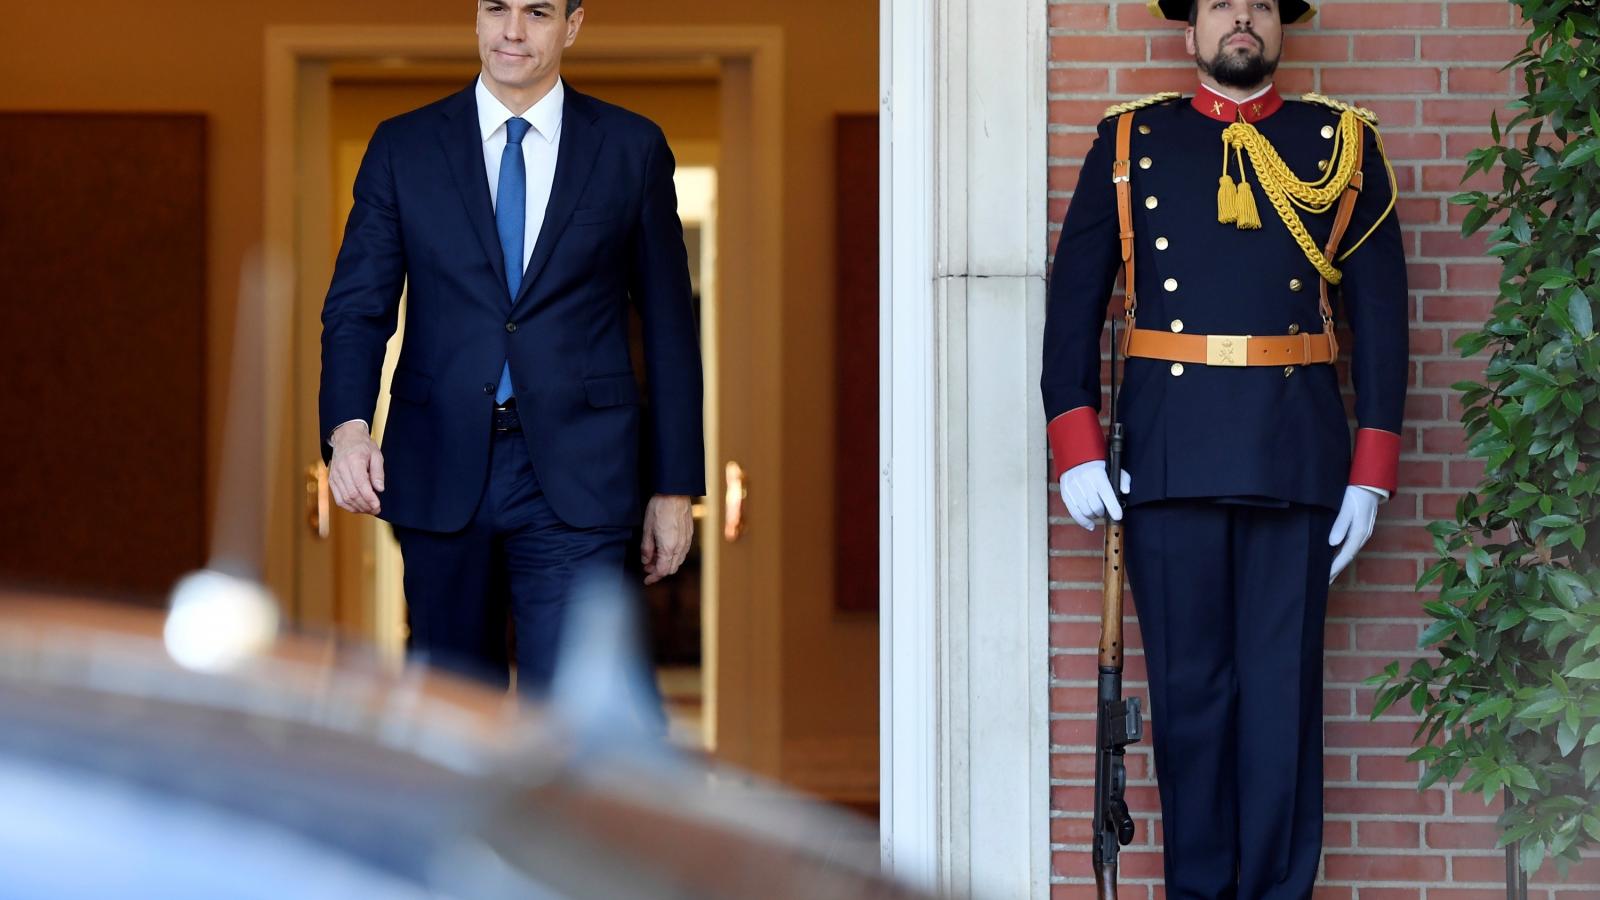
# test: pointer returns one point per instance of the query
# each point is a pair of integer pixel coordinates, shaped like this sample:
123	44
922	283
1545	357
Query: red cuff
1376	463
1075	438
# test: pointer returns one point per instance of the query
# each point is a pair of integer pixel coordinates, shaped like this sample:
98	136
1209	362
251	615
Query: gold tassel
1225	200
1249	218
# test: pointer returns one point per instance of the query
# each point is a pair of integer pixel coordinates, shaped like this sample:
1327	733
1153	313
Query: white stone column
964	628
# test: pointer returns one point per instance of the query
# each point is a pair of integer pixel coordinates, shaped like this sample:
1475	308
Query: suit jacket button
511	328
488	387
1296	284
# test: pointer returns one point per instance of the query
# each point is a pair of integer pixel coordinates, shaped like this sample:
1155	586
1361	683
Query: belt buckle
1227	349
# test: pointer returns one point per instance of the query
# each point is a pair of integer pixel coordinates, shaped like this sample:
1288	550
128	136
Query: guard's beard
1236	70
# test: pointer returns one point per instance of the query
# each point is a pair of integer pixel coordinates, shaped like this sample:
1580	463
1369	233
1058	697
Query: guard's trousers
1231	600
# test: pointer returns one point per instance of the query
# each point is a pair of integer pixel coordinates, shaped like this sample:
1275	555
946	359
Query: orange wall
192	56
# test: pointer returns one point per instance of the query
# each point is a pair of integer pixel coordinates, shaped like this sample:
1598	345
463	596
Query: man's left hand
668	534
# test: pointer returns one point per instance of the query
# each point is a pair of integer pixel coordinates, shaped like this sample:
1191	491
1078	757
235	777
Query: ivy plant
1509	684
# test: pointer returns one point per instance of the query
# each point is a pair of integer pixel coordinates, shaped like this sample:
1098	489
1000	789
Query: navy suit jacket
423	220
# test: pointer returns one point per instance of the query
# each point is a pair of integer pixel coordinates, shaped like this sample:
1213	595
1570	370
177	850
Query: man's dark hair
573	6
1194	12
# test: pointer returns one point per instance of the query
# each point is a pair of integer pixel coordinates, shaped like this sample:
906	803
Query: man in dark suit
522	218
1244	496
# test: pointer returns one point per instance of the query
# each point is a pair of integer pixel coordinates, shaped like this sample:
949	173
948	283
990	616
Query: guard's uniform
1239	450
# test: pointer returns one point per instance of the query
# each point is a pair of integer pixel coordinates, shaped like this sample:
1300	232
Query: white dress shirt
538	153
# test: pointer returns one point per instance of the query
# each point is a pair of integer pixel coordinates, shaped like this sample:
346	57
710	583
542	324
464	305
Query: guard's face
1237	42
521	41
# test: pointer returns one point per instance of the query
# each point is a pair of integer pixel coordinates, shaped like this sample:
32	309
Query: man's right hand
1086	490
356	473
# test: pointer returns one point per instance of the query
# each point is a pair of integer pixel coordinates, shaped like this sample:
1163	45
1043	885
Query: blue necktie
511	219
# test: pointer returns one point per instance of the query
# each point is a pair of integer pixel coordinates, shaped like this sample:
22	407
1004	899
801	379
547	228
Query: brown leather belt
1232	349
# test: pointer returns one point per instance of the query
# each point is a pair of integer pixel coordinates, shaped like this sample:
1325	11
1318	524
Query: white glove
1086	491
1353	527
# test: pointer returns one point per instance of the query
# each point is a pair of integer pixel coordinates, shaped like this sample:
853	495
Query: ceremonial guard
1257	223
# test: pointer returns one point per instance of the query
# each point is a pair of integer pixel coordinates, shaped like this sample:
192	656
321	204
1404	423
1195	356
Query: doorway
341	573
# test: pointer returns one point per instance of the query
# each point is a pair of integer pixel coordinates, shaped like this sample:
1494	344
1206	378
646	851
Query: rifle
1118	722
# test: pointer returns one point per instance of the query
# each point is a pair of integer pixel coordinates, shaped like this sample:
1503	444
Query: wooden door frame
745	419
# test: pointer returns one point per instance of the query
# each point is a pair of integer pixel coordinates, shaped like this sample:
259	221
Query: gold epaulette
1141	103
1366	115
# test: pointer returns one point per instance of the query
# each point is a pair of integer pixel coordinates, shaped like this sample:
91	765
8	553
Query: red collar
1215	106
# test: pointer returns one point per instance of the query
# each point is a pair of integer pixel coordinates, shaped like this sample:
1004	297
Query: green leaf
1589	671
1582	315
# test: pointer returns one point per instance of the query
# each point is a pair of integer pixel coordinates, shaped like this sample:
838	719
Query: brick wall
1430	70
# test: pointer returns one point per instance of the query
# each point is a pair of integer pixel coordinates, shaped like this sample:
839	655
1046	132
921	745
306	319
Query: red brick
1380	16
1087	112
1472	308
1478	15
1079	81
1154	79
1398	572
1476	80
1462	835
1462	48
1384	636
1168	48
1418	210
1393	835
1469	869
1426	342
1372	867
1096	48
1337	702
1364	81
1071	830
1404	145
1369	734
1080	16
1386	769
1371	48
1437	244
1302	47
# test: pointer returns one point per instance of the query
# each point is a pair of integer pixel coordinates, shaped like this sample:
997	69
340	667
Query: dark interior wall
102	318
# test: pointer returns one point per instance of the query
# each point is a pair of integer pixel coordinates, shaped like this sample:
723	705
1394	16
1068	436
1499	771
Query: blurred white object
602	694
218	621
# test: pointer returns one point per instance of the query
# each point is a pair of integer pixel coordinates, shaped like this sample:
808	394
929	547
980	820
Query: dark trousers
516	559
1231	601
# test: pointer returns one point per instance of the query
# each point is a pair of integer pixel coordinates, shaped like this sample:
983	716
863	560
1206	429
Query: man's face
1237	42
521	41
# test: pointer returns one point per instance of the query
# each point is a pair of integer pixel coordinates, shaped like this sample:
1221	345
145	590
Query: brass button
1287	371
1177	369
1295	328
1144	129
1296	284
1144	162
1151	203
1177	326
1161	243
1322	165
511	328
1327	131
1171	284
